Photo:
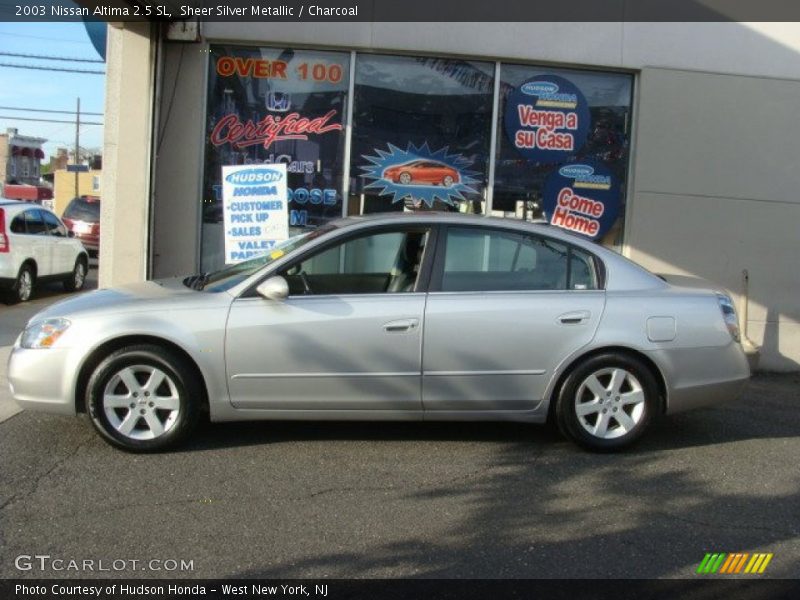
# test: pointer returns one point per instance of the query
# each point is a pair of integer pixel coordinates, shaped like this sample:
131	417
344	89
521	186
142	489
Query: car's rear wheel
448	180
405	178
78	277
23	286
607	402
144	398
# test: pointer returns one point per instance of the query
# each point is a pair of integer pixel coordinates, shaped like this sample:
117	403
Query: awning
31	193
26	152
15	150
39	153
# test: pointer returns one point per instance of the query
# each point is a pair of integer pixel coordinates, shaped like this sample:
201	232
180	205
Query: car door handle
400	326
574	318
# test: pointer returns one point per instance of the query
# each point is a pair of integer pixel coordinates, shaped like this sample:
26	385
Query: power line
43	110
47	120
13	66
40	37
45	57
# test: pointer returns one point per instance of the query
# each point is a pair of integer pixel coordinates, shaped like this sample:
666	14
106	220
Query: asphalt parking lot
410	500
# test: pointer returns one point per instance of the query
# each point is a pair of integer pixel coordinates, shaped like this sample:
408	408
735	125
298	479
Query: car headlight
43	334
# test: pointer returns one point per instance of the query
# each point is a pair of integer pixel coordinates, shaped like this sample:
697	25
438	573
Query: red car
82	217
422	172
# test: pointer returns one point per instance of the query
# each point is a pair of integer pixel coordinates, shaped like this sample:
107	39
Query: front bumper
7	283
39	382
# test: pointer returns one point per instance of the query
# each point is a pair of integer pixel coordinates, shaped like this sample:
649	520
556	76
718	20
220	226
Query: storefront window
563	139
273	105
421	132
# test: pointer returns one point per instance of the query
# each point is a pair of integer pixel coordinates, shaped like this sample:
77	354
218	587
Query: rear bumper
38	380
698	377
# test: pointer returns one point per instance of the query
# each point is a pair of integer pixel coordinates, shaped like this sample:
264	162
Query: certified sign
582	197
255	202
547	119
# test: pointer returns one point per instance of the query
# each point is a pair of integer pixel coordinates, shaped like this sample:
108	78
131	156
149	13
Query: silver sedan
407	317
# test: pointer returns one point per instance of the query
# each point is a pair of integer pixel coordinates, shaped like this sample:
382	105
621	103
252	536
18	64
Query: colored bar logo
734	563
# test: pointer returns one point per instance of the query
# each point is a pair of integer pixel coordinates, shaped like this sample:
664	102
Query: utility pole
77	144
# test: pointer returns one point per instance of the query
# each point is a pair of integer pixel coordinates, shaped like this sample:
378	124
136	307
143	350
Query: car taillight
4	241
729	315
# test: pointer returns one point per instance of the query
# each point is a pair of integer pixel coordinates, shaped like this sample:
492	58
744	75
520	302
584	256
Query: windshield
227	277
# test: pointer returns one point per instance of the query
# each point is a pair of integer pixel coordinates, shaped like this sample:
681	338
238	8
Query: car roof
7	202
435	216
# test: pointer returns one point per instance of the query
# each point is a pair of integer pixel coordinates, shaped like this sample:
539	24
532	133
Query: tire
23	286
405	178
447	181
135	413
77	279
606	403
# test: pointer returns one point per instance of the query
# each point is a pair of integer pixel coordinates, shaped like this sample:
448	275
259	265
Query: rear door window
34	222
479	259
18	224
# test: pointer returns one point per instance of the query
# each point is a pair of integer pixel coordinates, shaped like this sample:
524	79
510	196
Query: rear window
81	209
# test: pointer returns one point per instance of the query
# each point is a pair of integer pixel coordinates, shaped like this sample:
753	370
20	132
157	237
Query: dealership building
676	144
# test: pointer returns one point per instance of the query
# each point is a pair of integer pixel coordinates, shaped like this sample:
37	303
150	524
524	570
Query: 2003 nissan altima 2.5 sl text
407	317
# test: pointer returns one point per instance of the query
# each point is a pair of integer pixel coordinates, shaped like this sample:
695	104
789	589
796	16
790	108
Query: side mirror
274	288
70	233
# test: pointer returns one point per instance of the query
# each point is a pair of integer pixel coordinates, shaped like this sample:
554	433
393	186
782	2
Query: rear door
505	309
38	243
62	247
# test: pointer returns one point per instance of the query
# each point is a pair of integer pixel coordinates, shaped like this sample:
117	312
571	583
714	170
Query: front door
348	338
505	309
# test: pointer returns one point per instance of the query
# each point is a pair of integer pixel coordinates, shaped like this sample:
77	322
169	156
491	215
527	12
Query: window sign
547	118
582	197
421	176
254	210
421	131
270	106
563	129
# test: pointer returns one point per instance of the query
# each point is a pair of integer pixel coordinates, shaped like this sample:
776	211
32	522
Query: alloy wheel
610	403
141	402
25	286
79	276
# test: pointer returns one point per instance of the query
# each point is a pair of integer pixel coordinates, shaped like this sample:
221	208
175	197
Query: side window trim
437	274
423	278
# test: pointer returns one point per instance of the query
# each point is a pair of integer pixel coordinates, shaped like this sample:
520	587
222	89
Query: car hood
164	294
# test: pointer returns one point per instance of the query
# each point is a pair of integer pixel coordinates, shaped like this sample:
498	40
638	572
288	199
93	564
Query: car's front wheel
607	402
405	178
144	398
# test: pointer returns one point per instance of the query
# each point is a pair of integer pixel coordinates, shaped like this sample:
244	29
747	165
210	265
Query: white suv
35	246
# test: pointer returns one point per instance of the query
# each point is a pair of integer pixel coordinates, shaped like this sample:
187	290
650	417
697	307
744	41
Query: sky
51	90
